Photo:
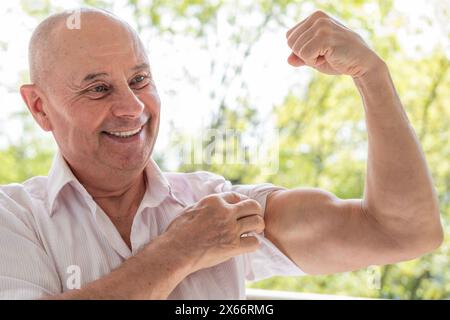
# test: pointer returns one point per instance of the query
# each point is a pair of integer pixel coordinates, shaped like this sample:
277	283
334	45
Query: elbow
414	230
433	231
428	244
435	238
424	237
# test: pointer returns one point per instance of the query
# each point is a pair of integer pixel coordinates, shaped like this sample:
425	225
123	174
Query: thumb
295	61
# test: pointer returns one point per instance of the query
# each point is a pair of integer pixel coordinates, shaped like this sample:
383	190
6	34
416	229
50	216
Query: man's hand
210	231
323	43
205	234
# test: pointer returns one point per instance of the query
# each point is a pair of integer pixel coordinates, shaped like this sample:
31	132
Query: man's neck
118	196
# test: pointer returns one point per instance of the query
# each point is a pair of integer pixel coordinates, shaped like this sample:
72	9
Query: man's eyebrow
92	76
141	67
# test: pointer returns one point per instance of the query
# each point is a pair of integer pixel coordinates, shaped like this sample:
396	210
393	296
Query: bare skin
398	218
66	104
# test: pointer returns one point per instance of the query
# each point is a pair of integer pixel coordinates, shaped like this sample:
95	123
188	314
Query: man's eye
99	89
139	79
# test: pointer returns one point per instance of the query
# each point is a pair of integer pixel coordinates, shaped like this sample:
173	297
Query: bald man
108	224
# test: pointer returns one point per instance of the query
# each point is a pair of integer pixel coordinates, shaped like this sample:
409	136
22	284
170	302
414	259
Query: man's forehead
88	56
111	49
104	62
100	42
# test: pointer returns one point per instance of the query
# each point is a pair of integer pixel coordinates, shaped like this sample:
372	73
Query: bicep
323	234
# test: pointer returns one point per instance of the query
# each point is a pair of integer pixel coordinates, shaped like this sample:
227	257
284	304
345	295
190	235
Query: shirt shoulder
20	201
268	260
26	193
196	185
26	270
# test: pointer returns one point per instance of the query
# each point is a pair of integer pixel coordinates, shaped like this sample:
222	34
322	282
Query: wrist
162	266
376	73
172	254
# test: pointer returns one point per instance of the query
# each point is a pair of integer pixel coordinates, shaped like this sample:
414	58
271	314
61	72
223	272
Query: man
107	224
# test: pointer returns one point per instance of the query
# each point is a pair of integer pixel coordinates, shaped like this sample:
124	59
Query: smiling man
108	224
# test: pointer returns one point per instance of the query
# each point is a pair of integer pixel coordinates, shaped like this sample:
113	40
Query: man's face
103	104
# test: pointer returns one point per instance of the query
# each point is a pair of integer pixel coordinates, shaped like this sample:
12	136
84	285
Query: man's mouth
124	134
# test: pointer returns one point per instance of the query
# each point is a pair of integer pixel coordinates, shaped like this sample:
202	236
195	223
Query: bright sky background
187	105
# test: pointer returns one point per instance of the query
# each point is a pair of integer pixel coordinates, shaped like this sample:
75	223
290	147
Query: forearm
399	187
152	274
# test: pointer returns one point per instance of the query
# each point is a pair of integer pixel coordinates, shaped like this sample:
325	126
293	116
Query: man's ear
33	99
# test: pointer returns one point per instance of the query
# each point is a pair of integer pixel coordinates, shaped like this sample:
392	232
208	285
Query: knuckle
229	197
248	205
216	198
323	23
261	221
255	205
235	196
212	200
206	200
319	14
323	32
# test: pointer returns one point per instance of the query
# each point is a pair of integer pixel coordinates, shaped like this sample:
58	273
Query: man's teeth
124	134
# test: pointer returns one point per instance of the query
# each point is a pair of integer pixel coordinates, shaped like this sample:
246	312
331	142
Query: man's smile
124	134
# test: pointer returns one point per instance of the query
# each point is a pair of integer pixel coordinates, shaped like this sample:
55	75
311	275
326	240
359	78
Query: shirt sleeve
268	260
26	271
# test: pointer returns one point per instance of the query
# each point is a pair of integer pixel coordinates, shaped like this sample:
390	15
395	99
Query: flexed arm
398	217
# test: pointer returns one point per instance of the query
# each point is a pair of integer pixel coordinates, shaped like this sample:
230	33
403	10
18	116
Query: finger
247	208
249	244
300	39
313	52
295	61
320	60
253	223
288	33
232	197
306	24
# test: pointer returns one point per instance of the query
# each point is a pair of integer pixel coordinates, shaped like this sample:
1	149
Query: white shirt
51	229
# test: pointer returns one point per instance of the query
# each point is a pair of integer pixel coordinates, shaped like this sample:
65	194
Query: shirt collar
60	174
157	186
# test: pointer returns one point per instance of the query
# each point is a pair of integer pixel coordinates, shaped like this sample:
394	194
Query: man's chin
130	161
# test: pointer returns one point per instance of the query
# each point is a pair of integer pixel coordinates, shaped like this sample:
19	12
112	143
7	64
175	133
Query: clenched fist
215	229
323	43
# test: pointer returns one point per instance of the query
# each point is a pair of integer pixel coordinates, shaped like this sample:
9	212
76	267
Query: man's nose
128	105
